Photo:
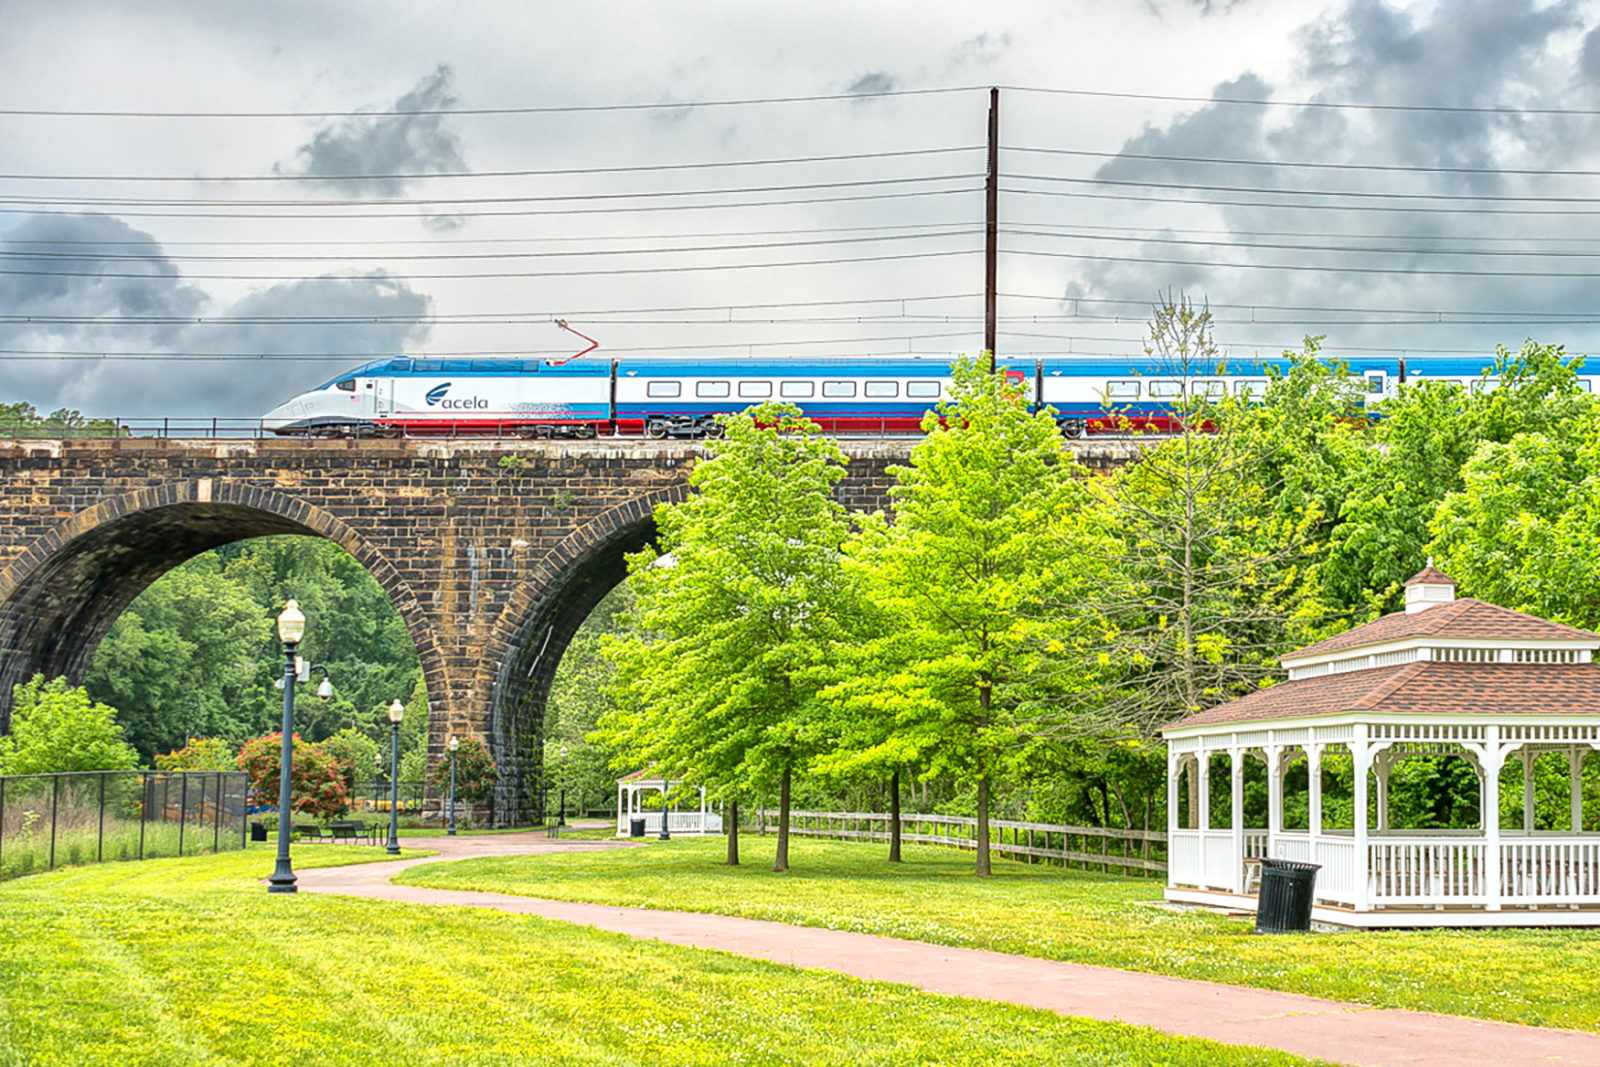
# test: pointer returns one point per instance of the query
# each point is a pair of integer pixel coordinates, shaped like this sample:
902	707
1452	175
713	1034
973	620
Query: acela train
657	397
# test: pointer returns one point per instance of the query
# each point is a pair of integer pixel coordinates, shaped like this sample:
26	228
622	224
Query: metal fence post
144	808
55	802
2	825
100	835
183	808
216	833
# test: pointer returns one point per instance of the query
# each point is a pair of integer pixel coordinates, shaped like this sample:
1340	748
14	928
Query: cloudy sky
207	208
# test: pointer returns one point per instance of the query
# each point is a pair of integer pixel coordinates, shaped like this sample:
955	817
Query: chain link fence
59	820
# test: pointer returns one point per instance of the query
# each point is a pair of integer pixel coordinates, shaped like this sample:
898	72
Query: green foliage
56	727
356	754
737	612
971	585
24	420
579	696
316	786
200	754
475	771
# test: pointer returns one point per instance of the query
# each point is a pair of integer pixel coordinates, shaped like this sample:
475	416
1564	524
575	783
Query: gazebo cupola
1446	677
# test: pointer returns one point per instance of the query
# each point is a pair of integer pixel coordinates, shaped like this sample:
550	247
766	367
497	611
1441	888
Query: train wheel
585	433
713	430
655	428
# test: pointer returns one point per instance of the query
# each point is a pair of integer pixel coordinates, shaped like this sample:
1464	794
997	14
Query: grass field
1542	977
191	962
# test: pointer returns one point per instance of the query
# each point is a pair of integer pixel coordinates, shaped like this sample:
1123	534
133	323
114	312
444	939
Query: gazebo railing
1549	871
1426	870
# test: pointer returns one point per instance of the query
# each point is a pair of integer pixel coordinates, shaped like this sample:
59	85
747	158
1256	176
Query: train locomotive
659	397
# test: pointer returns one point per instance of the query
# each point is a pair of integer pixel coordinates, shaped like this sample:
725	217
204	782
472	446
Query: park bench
349	830
307	831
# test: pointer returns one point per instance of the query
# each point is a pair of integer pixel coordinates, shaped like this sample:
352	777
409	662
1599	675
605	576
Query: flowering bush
316	784
475	771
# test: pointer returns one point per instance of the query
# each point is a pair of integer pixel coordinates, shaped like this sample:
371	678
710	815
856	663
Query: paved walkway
1345	1033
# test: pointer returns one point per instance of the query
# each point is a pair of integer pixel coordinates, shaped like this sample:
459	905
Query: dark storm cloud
106	313
385	144
1467	54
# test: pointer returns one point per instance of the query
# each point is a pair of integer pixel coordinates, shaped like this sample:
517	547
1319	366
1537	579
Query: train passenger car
661	398
454	396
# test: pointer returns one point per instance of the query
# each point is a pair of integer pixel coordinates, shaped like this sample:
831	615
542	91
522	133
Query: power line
552	109
1275	246
358	202
1352	193
1318	268
559	172
1380	167
520	212
476	256
1147	304
1447	109
1391	209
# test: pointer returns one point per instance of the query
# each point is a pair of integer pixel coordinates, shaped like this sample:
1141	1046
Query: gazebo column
1361	760
1314	800
1494	757
1575	777
1203	779
1381	768
1236	822
1174	770
1275	755
1527	790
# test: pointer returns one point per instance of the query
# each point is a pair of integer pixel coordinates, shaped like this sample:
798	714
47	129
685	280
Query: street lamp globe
397	711
455	742
291	624
325	690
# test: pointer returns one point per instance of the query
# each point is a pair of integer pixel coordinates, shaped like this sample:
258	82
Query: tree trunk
780	861
983	827
732	815
894	817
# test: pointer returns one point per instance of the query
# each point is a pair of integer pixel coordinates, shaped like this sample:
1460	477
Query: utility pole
991	225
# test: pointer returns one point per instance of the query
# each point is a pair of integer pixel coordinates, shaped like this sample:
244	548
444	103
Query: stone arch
533	630
62	593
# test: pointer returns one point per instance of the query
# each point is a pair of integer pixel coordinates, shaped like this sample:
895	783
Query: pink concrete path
1345	1033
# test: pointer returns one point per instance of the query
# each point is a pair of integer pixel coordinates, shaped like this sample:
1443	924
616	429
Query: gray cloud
385	143
152	386
982	50
1468	54
873	82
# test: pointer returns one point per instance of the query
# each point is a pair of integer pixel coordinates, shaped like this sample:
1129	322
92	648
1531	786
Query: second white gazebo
1445	677
630	806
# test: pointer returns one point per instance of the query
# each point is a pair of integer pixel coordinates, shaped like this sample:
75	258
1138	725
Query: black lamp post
561	817
397	711
453	744
665	834
291	628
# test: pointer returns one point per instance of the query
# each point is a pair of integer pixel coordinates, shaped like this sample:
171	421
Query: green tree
356	753
579	696
315	785
56	727
737	612
977	579
476	773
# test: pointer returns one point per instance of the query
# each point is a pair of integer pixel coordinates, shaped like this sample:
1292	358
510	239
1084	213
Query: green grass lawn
1542	977
191	962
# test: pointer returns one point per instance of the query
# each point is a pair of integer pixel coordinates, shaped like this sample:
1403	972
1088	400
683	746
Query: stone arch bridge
493	552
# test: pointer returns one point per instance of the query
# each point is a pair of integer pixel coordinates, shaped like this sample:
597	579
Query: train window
1165	388
348	385
881	389
797	389
399	366
1124	390
838	388
428	366
755	389
1211	388
663	388
922	390
711	389
1250	387
1584	385
1375	381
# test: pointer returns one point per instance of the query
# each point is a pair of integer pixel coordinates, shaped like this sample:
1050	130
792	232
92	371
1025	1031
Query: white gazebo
1444	677
630	796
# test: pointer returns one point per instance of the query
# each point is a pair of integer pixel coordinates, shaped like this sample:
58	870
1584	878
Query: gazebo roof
1465	619
1422	689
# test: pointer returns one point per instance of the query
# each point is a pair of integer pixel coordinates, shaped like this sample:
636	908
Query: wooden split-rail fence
1135	852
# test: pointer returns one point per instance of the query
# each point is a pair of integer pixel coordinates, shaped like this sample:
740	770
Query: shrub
56	727
316	786
356	753
200	754
475	771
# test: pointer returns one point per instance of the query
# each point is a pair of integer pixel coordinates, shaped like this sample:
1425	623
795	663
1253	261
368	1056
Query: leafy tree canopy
56	727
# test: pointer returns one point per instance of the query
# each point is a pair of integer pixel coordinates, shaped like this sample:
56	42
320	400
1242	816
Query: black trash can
635	827
1284	903
258	831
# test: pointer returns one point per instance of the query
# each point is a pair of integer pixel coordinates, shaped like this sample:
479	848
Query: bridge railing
1134	852
58	820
